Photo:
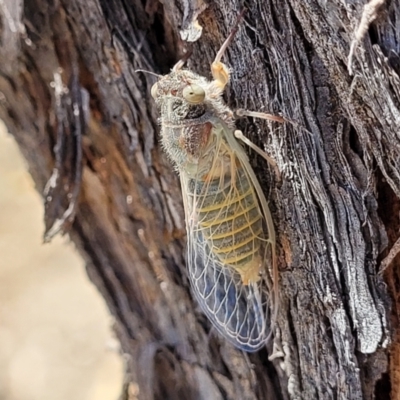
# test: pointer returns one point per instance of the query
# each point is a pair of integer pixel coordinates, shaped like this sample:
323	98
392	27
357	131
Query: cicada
230	234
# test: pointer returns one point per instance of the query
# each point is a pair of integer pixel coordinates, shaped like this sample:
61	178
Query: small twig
369	14
389	258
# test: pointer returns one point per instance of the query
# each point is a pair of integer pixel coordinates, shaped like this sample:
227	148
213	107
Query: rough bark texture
83	117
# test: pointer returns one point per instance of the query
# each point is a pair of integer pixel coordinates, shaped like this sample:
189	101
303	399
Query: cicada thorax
185	131
227	213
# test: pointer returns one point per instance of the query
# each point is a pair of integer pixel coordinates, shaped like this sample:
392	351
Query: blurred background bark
56	339
87	126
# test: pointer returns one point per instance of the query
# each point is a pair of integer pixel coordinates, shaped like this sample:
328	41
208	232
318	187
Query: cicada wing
238	311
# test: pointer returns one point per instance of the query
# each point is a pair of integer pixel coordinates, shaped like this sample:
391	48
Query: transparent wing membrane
237	311
229	244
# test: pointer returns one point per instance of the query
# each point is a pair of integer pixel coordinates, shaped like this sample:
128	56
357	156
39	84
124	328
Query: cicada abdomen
231	221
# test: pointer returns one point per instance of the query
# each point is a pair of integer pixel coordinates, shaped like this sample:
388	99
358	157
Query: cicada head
189	105
181	97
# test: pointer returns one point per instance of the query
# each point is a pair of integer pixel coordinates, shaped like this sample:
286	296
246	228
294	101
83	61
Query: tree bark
87	125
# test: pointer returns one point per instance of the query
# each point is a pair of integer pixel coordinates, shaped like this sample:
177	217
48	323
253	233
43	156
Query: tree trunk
87	125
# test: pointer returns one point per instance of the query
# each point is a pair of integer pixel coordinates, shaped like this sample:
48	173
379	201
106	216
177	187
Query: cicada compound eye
153	91
194	94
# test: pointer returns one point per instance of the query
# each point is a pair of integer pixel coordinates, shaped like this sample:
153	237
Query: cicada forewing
230	241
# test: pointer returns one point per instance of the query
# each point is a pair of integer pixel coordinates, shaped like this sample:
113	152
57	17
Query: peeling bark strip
335	210
62	189
369	14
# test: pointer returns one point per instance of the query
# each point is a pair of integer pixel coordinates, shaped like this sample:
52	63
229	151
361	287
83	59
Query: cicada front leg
220	73
219	70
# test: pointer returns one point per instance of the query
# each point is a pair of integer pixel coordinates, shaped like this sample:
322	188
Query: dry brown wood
336	208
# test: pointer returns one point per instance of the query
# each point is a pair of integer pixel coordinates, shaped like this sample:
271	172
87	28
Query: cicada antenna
178	66
148	72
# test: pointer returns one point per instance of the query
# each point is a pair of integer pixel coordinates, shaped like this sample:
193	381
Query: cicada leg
220	73
270	117
219	70
239	135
